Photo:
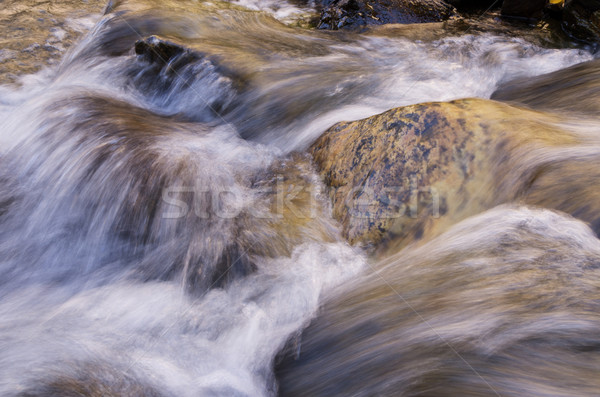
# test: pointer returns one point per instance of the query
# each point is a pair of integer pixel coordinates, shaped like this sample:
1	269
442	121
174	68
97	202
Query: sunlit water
134	260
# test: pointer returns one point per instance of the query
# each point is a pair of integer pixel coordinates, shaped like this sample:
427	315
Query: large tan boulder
411	172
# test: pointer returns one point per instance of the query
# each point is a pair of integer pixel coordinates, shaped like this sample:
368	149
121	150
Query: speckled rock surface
36	33
354	13
411	172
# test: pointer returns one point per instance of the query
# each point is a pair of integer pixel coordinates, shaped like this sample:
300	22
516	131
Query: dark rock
592	5
156	50
354	13
581	19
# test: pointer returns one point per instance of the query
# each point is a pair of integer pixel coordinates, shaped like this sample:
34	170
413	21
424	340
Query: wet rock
542	35
92	380
36	34
154	49
162	63
412	172
354	13
291	210
177	209
505	303
240	57
574	89
581	19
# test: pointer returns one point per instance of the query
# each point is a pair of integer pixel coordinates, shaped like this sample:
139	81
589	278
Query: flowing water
148	248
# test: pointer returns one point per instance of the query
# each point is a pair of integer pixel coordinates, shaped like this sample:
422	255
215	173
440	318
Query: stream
148	248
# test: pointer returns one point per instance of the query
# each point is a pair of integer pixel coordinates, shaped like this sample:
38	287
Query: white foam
224	341
407	73
280	9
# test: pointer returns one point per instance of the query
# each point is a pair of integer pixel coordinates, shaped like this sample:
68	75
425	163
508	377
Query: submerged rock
575	89
411	172
92	380
505	303
165	199
354	13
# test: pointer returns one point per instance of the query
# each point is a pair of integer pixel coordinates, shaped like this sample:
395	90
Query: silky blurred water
141	247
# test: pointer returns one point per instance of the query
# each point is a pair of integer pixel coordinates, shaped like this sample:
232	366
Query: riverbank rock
575	89
411	172
338	14
581	19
